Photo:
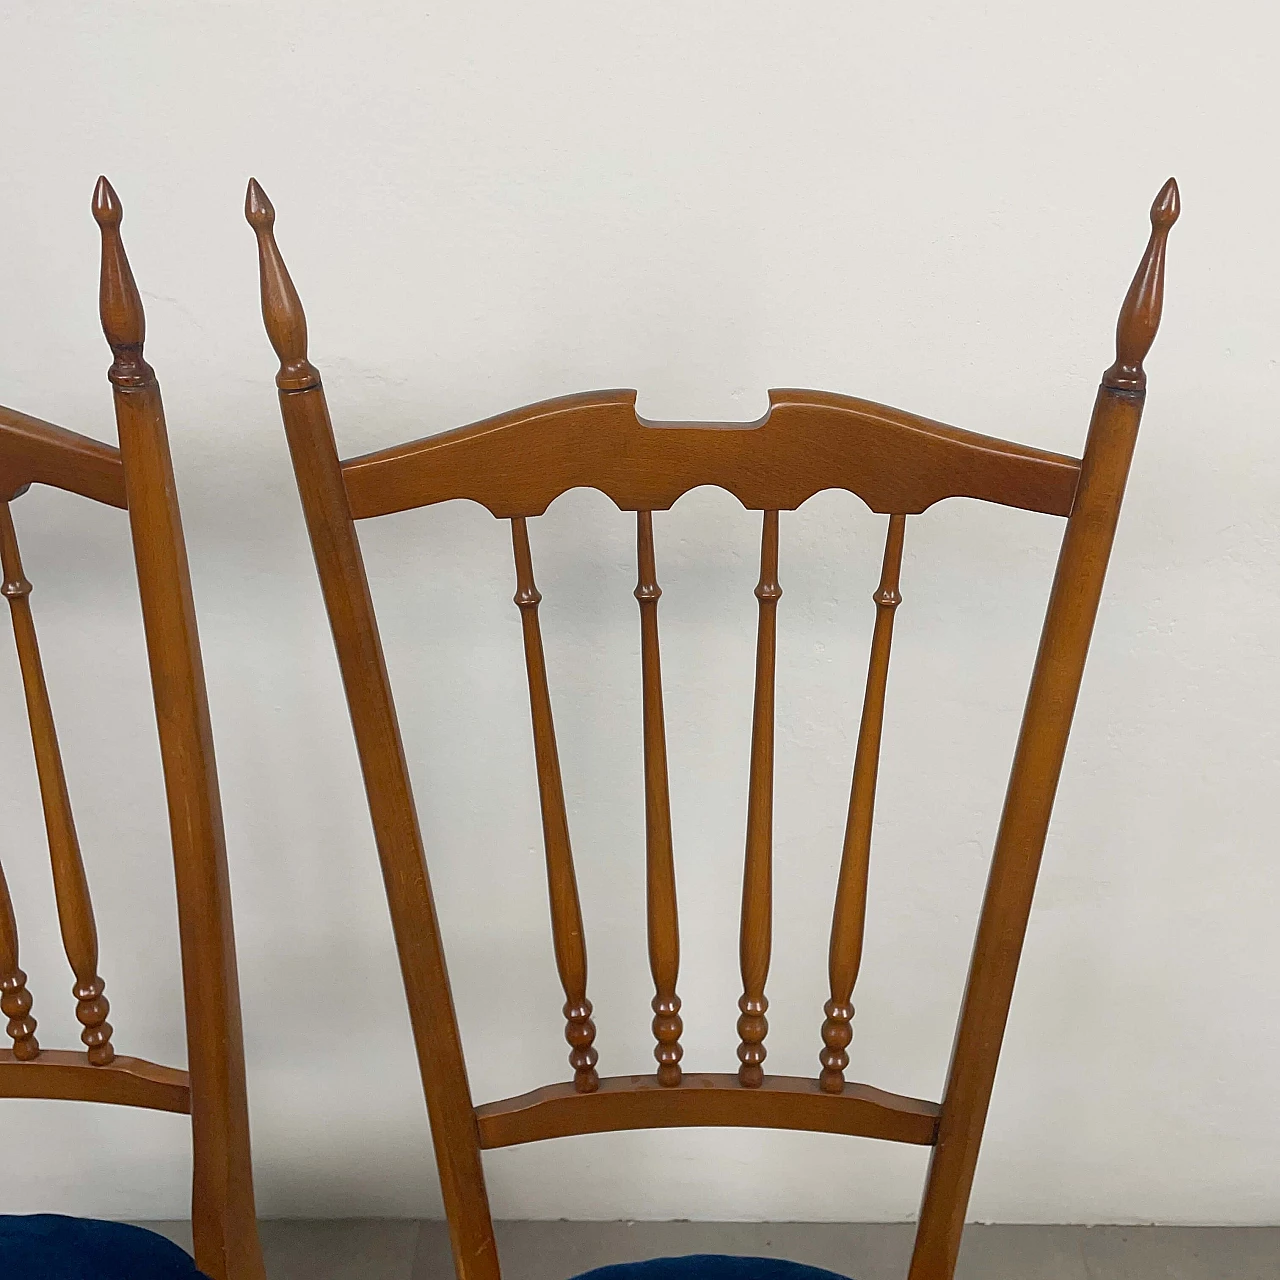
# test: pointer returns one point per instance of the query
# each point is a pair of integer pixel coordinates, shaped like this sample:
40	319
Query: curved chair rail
640	1102
517	463
33	451
128	1082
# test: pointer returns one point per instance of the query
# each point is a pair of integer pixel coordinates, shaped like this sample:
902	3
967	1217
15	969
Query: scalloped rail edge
518	463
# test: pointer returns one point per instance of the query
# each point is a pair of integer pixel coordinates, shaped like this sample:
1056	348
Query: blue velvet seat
706	1266
47	1246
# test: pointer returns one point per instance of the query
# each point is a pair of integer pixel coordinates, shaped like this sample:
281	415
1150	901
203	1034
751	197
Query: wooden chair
136	477
900	465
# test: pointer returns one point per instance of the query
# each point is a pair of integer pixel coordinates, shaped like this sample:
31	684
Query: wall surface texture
935	206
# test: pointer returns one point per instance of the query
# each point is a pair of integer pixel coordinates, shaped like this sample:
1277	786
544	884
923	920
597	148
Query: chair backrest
136	477
899	464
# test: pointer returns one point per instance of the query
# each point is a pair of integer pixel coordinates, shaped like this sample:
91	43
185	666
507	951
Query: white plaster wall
937	206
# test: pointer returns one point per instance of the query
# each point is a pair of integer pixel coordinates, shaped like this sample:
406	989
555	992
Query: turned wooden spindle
562	883
15	999
663	918
756	931
1140	313
71	886
848	922
282	313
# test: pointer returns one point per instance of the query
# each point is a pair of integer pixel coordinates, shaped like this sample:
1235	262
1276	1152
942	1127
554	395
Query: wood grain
518	462
1139	318
562	883
1037	763
33	451
126	1082
15	999
661	912
755	934
345	586
224	1225
849	919
641	1102
137	476
70	884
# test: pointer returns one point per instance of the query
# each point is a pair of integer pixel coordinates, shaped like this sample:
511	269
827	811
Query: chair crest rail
137	476
33	451
519	462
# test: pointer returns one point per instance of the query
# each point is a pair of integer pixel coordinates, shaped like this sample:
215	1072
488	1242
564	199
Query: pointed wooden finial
281	307
1140	315
119	304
